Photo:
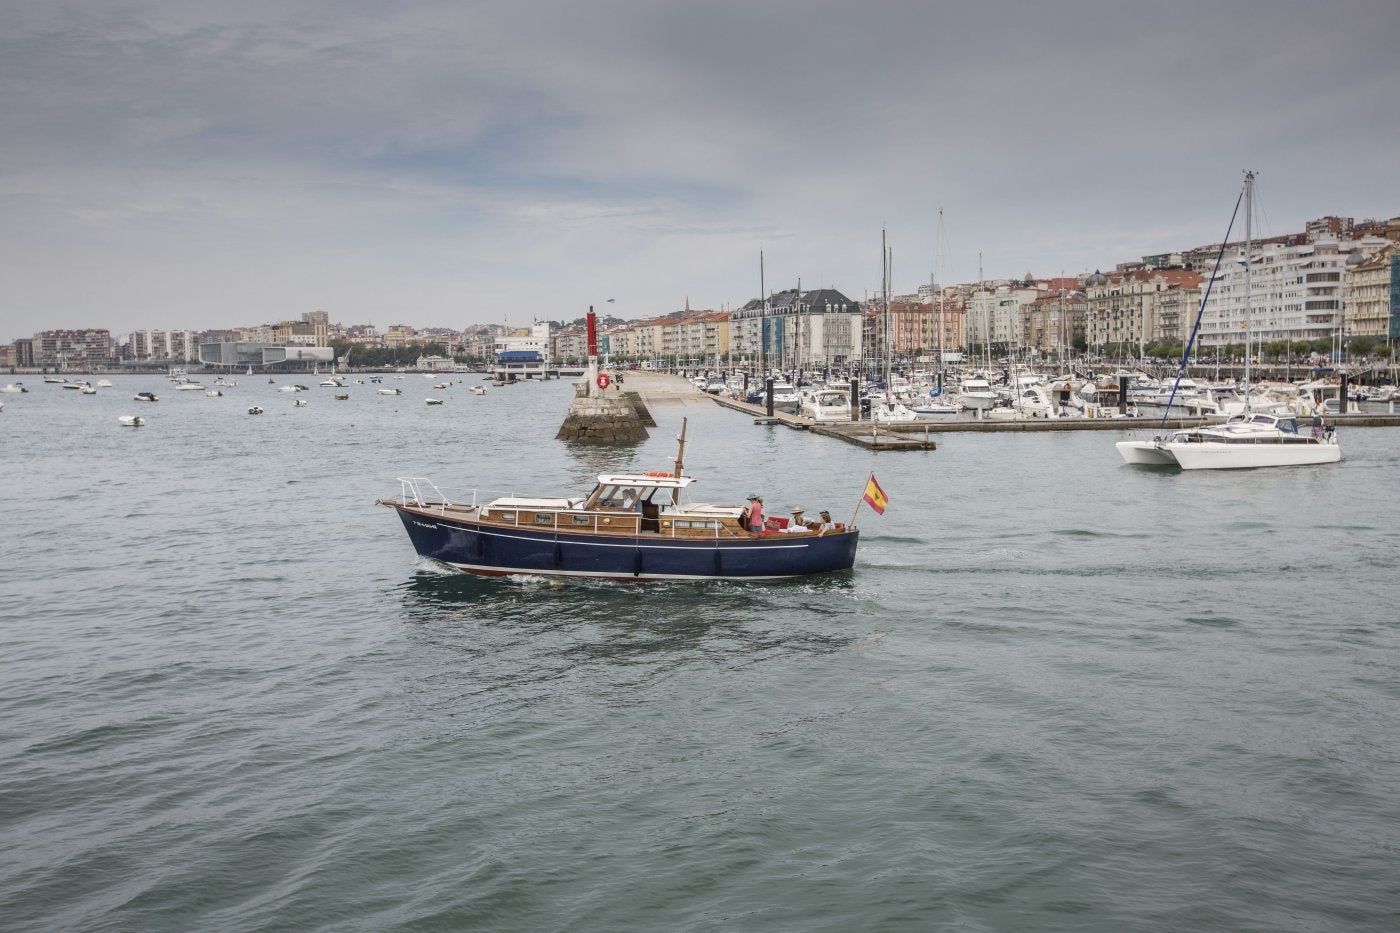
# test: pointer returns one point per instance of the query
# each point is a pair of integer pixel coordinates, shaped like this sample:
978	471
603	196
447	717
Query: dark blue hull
495	550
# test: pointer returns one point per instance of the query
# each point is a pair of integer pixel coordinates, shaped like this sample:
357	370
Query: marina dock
920	435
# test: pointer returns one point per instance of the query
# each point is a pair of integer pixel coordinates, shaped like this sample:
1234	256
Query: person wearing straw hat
798	523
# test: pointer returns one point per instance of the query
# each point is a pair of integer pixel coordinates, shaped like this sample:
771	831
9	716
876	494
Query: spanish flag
876	496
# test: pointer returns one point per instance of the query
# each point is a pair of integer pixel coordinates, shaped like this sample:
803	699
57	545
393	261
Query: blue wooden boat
629	526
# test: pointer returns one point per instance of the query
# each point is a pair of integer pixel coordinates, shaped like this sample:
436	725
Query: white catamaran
1249	439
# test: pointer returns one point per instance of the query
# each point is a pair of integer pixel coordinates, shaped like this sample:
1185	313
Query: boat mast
680	457
938	297
885	288
763	315
1248	250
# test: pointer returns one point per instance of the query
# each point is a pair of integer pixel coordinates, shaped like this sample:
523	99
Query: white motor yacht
785	396
976	394
827	405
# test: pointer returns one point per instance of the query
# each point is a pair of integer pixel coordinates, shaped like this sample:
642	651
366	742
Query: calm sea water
1056	693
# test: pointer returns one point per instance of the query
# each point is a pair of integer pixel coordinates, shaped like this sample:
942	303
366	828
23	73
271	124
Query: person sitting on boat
798	523
826	523
754	520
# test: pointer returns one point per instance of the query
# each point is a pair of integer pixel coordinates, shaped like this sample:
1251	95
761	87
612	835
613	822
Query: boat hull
492	550
1144	453
1216	456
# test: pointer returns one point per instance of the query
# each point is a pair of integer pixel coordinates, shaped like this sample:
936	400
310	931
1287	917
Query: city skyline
169	167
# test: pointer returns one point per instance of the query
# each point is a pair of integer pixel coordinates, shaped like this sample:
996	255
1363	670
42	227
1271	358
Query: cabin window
544	518
582	520
506	516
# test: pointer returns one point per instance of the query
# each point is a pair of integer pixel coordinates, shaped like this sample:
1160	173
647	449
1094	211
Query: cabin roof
643	479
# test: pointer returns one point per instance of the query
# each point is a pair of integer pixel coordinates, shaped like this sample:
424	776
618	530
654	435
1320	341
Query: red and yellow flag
875	496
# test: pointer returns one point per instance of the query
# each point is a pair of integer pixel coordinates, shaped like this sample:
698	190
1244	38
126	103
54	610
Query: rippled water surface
1056	693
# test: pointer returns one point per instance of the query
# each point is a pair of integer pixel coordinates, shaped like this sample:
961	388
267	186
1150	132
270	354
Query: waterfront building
1177	307
85	347
994	316
1371	293
794	329
240	354
1124	308
1295	285
435	363
571	344
1053	324
524	353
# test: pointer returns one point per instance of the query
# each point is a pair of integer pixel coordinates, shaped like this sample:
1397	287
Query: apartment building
73	348
1371	293
1295	290
1127	308
815	329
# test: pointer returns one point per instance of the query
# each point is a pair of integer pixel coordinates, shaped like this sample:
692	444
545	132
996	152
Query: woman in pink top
755	519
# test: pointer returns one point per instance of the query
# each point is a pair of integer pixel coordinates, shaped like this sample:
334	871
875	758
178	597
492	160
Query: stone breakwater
608	417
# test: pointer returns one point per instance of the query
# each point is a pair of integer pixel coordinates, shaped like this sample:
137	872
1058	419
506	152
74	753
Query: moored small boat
131	421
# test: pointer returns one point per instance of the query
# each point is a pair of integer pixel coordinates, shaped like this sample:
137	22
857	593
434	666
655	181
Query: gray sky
204	163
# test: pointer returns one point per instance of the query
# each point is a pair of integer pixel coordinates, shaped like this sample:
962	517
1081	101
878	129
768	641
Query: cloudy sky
204	163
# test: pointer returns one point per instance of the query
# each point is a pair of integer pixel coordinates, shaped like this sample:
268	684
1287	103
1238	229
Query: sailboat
890	410
1251	438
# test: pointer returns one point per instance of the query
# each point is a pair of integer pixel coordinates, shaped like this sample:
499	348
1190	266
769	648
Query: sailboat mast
763	314
938	297
885	288
1248	255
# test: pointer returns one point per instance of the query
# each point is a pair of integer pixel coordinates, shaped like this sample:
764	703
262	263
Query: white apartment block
1296	292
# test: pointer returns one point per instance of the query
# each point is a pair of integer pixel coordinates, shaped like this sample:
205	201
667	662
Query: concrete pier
920	435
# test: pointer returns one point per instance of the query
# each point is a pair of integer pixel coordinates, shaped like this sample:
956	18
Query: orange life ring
603	380
659	473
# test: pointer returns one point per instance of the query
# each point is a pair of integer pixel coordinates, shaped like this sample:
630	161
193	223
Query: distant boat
131	421
14	388
891	411
433	401
936	411
299	403
145	397
827	406
214	393
389	391
104	383
255	410
89	390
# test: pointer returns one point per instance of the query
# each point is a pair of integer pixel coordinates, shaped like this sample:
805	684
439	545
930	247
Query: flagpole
860	500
